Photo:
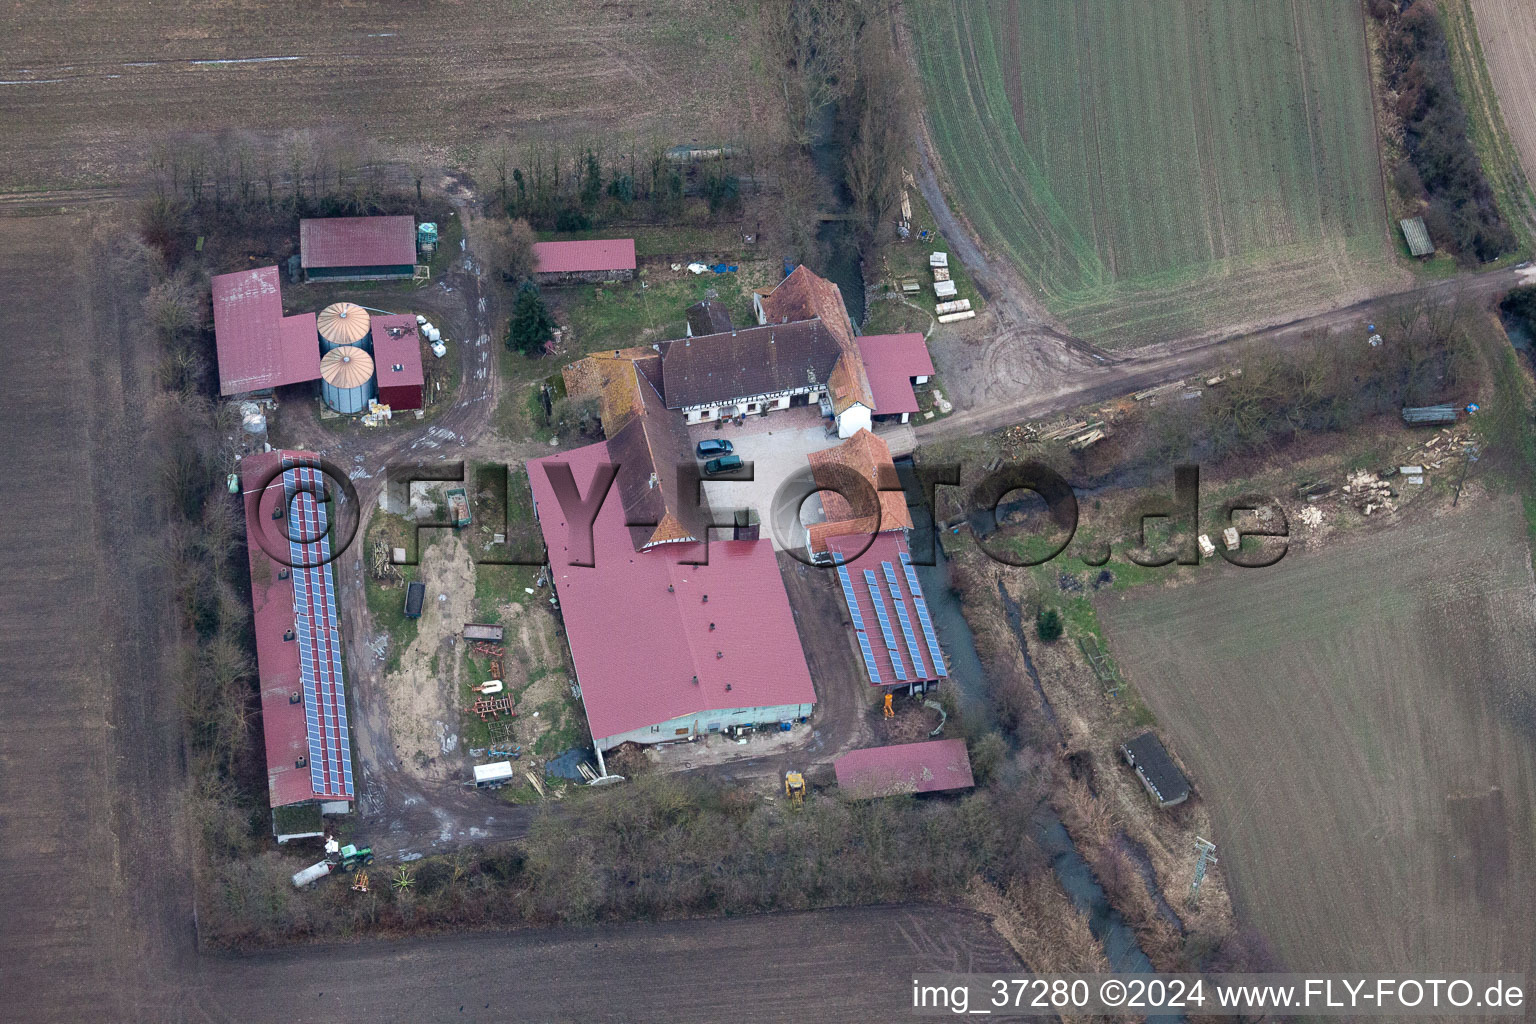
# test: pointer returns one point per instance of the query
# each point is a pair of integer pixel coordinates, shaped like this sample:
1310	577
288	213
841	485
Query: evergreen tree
532	324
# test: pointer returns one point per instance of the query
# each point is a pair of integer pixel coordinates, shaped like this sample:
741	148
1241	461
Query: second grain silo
346	378
343	323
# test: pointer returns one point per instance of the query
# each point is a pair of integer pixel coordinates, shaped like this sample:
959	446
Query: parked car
724	464
714	446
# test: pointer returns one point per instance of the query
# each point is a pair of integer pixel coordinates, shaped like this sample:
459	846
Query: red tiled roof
892	360
905	768
278	661
357	241
259	348
579	257
639	627
870	457
404	350
887	547
804	295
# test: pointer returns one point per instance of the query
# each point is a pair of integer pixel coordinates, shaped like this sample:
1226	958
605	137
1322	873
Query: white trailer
497	773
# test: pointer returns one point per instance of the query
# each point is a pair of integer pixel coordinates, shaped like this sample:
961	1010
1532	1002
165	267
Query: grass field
1495	45
1162	169
1361	720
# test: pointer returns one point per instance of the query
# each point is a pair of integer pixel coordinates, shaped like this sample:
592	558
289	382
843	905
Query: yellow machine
890	712
361	883
794	787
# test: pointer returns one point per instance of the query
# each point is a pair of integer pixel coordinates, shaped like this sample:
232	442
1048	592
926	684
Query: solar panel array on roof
878	601
858	620
906	620
314	616
922	615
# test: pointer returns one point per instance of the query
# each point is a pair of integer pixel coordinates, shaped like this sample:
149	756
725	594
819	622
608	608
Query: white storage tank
346	379
344	323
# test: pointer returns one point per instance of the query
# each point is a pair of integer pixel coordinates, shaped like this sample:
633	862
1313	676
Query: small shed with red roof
934	766
397	359
258	348
894	363
357	248
591	260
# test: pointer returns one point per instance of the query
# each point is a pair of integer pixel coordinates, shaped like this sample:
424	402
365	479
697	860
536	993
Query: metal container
344	323
346	379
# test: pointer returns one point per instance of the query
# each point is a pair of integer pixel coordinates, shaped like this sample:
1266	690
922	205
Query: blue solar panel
325	719
853	602
922	615
885	625
869	658
906	621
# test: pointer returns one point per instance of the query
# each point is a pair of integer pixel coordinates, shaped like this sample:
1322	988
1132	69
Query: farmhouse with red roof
894	362
357	248
665	650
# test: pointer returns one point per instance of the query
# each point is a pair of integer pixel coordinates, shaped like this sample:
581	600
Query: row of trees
558	190
1442	169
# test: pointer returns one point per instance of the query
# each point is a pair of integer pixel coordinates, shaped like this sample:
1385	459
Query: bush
572	219
1048	624
532	325
1446	173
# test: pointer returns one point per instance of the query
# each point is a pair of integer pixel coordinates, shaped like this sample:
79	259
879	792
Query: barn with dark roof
357	248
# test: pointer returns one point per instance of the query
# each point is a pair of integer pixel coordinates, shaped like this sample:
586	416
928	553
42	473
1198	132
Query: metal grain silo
346	378
343	323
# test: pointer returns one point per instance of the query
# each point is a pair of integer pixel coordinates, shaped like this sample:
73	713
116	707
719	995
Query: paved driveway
777	446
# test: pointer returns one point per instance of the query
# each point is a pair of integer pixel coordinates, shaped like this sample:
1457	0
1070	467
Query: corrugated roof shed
298	646
1157	769
396	343
641	631
901	595
587	256
891	361
357	241
1417	236
929	767
259	348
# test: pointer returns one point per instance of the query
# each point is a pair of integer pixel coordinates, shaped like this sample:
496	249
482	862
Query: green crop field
1162	167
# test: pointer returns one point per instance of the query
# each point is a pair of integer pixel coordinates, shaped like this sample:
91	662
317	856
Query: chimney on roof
277	511
719	654
727	686
287	636
706	599
695	680
295	697
300	761
282	574
669	588
711	627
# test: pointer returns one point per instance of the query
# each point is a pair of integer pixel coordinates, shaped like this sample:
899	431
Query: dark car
714	446
724	464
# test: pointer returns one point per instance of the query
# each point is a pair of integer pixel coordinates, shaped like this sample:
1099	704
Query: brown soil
1507	31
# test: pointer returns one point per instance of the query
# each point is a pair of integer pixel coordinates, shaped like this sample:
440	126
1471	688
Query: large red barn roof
357	241
641	630
258	347
308	744
593	254
927	767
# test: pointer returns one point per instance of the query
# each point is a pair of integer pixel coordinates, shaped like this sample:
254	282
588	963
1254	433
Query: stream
968	677
842	263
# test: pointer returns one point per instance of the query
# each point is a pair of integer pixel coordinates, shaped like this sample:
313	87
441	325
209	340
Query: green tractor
350	857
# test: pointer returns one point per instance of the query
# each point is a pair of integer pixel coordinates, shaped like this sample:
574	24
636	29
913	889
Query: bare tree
509	244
